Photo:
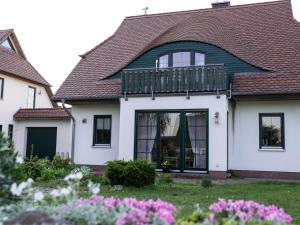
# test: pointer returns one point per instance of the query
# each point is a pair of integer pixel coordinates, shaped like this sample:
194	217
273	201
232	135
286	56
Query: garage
41	142
43	133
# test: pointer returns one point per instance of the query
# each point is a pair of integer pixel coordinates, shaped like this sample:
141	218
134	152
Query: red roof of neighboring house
262	34
42	114
15	63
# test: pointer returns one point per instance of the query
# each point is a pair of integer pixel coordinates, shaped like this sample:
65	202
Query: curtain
194	130
150	142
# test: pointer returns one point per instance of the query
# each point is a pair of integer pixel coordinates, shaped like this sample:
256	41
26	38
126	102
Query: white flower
38	196
18	189
66	191
55	193
19	159
76	176
15	190
94	189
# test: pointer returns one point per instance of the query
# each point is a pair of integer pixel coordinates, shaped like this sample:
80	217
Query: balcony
176	80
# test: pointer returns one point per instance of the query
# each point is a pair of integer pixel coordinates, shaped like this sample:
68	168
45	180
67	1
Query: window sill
101	146
271	149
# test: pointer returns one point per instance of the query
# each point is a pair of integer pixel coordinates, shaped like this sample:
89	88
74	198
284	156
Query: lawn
185	196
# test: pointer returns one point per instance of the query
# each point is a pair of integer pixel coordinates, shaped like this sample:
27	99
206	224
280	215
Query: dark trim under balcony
174	80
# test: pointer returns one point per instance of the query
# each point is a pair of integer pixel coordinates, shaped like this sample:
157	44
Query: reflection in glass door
195	150
170	139
176	137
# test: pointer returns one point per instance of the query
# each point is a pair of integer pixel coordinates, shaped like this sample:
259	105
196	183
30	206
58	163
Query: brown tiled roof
16	64
42	114
263	34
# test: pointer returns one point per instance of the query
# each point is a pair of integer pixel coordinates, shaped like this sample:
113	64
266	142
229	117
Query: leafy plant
206	182
132	173
7	167
164	178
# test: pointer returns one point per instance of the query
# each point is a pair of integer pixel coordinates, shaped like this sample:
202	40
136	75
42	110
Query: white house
27	113
207	91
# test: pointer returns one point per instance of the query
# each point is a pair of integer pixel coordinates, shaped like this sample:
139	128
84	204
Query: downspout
73	129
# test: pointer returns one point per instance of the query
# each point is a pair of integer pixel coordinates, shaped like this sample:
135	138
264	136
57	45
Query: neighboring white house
25	96
207	91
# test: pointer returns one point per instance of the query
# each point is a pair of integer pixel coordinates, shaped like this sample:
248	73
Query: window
102	130
10	131
7	44
1	87
199	59
181	59
271	130
31	97
163	61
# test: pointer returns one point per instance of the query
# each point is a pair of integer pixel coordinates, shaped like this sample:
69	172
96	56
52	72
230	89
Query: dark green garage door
41	142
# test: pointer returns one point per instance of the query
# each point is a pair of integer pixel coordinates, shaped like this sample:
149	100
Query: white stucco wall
63	140
217	132
244	152
85	152
15	97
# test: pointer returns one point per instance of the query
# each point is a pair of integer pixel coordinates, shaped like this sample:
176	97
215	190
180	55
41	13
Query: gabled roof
15	63
42	114
263	34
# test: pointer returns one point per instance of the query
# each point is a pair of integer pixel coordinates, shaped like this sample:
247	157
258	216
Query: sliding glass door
178	137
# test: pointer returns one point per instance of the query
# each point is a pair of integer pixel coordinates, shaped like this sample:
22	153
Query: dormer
9	41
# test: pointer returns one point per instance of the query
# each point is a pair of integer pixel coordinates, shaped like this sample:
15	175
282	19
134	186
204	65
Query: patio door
178	137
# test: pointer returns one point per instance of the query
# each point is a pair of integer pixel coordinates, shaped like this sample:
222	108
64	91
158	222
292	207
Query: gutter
73	129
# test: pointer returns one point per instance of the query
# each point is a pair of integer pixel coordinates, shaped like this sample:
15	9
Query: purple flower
250	210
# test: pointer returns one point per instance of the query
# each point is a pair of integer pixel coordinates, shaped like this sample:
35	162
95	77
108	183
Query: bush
206	182
115	172
7	167
164	178
132	173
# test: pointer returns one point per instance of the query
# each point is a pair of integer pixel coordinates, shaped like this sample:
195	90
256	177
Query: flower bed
110	211
247	211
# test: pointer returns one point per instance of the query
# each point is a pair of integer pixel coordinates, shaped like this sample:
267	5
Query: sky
53	33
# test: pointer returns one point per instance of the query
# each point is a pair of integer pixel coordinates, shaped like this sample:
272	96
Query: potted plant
166	166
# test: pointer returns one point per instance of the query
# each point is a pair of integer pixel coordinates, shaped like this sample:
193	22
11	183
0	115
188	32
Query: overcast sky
54	32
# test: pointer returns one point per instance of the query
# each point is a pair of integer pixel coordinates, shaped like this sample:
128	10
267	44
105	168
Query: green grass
185	196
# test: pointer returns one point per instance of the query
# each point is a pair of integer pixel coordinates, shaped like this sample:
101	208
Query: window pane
7	45
199	59
181	59
164	61
146	136
107	124
31	97
271	131
99	124
1	87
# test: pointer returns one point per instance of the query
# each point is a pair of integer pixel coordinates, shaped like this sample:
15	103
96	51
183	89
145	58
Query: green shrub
59	163
7	167
99	179
206	182
115	172
49	174
132	173
164	178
